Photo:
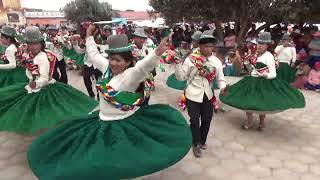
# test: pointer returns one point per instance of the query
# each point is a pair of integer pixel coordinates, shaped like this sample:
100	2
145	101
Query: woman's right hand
164	45
91	30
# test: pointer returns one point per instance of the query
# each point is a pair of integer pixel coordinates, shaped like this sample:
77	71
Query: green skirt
263	95
286	73
181	85
12	76
175	84
29	113
153	138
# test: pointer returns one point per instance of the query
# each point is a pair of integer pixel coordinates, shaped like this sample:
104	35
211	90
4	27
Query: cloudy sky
137	5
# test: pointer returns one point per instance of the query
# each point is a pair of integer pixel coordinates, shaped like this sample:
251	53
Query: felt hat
207	37
53	27
33	35
264	38
9	31
140	32
196	35
118	44
286	37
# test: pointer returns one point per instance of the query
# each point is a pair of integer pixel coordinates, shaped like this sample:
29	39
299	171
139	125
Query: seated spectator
313	82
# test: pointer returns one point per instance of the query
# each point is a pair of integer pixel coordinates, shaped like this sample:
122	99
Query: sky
137	5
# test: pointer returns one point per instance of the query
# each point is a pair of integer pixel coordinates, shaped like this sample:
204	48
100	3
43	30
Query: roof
44	14
133	15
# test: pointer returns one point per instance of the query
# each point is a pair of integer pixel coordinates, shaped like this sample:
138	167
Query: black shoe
197	151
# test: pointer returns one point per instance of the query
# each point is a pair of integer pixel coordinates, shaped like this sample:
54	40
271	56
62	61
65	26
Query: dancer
10	72
200	69
41	103
262	92
121	140
287	57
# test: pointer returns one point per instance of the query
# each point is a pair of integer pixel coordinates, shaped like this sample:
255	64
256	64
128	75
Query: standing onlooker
314	47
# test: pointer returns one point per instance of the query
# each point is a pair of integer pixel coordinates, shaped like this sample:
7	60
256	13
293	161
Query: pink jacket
314	77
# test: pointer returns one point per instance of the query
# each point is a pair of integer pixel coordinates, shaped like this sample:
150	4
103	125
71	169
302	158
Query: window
13	17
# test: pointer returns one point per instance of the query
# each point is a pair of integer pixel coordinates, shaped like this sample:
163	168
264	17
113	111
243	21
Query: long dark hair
12	39
43	45
128	57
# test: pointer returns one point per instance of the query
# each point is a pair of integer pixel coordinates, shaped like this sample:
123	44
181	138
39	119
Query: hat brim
207	39
28	41
119	50
7	34
140	35
260	41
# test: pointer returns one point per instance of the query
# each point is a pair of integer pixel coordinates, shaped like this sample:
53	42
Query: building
43	17
141	18
11	12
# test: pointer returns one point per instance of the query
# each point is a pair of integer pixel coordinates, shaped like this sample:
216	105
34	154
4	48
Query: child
313	82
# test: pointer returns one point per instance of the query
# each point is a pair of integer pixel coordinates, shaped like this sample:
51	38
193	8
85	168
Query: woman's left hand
33	85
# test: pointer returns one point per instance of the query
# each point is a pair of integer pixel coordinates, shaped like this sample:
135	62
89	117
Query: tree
242	12
83	10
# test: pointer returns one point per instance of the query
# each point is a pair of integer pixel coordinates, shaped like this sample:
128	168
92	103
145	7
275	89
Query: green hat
140	33
107	28
9	31
264	38
33	35
286	37
118	44
196	35
53	27
207	37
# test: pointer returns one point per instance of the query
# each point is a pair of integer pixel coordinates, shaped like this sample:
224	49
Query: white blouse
128	80
267	59
11	57
286	54
43	79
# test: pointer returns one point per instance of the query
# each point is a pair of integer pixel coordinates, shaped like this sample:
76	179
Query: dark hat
107	28
207	37
118	44
196	35
286	37
264	38
140	32
9	31
53	27
33	35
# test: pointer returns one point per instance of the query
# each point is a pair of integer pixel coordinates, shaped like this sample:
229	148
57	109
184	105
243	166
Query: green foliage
82	10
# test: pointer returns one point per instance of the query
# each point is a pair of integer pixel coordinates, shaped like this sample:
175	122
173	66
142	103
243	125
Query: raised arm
140	71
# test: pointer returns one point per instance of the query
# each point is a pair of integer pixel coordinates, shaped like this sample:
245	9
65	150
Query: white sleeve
277	50
294	54
94	55
10	55
272	67
44	70
221	81
182	70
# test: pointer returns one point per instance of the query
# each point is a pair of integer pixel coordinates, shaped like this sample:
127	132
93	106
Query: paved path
289	148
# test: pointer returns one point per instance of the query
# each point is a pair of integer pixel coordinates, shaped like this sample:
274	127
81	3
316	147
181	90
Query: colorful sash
34	68
122	100
198	61
252	58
